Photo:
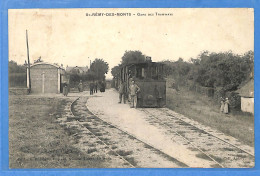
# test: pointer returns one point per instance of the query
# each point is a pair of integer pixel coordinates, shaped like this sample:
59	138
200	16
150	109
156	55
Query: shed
247	96
46	78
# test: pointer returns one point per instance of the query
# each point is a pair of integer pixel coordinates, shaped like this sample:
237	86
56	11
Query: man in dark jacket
102	86
91	87
95	87
122	92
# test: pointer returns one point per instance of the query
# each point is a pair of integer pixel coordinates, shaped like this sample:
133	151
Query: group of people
133	91
224	105
93	86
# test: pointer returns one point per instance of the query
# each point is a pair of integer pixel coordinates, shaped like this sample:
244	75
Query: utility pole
29	71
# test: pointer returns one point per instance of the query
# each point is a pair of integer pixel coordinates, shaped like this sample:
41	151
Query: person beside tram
122	92
134	89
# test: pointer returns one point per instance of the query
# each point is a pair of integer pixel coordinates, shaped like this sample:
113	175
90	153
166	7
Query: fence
217	94
214	93
17	80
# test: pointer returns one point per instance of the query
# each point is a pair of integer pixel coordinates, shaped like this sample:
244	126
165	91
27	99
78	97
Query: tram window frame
154	72
139	72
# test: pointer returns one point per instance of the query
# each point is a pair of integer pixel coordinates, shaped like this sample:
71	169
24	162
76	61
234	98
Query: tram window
131	72
143	73
154	73
160	72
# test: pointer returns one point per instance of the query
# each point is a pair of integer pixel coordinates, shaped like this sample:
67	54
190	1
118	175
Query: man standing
96	85
122	92
91	87
133	89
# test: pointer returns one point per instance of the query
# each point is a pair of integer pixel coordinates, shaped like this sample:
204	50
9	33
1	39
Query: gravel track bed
222	152
99	137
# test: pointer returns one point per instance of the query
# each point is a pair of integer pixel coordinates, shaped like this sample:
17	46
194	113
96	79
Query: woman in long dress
222	104
65	89
226	106
80	86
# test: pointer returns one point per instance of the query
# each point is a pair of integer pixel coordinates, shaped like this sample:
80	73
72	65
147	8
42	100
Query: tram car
149	78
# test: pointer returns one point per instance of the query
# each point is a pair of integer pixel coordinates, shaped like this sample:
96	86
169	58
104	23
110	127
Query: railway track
98	138
223	153
133	152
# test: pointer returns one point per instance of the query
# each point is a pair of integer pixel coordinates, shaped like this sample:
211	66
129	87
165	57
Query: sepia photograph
131	88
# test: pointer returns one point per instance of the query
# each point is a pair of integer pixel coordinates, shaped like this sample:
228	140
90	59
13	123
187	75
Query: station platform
134	121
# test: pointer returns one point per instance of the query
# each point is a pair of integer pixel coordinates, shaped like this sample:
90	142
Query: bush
17	79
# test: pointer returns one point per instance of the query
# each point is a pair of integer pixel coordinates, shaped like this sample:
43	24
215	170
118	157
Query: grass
204	110
37	141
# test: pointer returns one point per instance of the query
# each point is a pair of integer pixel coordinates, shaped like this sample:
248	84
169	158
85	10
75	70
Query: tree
17	74
130	57
116	70
13	67
225	69
248	65
99	67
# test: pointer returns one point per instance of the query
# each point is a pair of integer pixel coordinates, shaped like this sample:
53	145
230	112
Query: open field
204	110
37	141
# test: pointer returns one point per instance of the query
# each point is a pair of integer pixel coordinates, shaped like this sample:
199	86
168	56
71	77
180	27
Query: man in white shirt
133	89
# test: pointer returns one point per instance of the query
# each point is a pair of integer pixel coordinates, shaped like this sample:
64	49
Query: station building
46	78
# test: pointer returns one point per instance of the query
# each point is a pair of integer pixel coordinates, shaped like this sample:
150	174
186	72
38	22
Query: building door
61	85
43	80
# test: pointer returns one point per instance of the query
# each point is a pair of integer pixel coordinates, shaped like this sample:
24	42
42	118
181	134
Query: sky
69	37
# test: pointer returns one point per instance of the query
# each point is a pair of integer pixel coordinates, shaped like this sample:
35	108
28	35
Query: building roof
84	69
247	90
46	63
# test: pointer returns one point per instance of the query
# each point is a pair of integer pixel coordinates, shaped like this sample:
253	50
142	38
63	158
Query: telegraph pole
29	71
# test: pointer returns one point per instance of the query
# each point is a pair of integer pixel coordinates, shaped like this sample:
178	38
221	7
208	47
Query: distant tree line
17	74
208	69
13	67
223	69
97	71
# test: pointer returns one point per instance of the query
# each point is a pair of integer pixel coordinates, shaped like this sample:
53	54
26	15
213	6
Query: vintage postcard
131	88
